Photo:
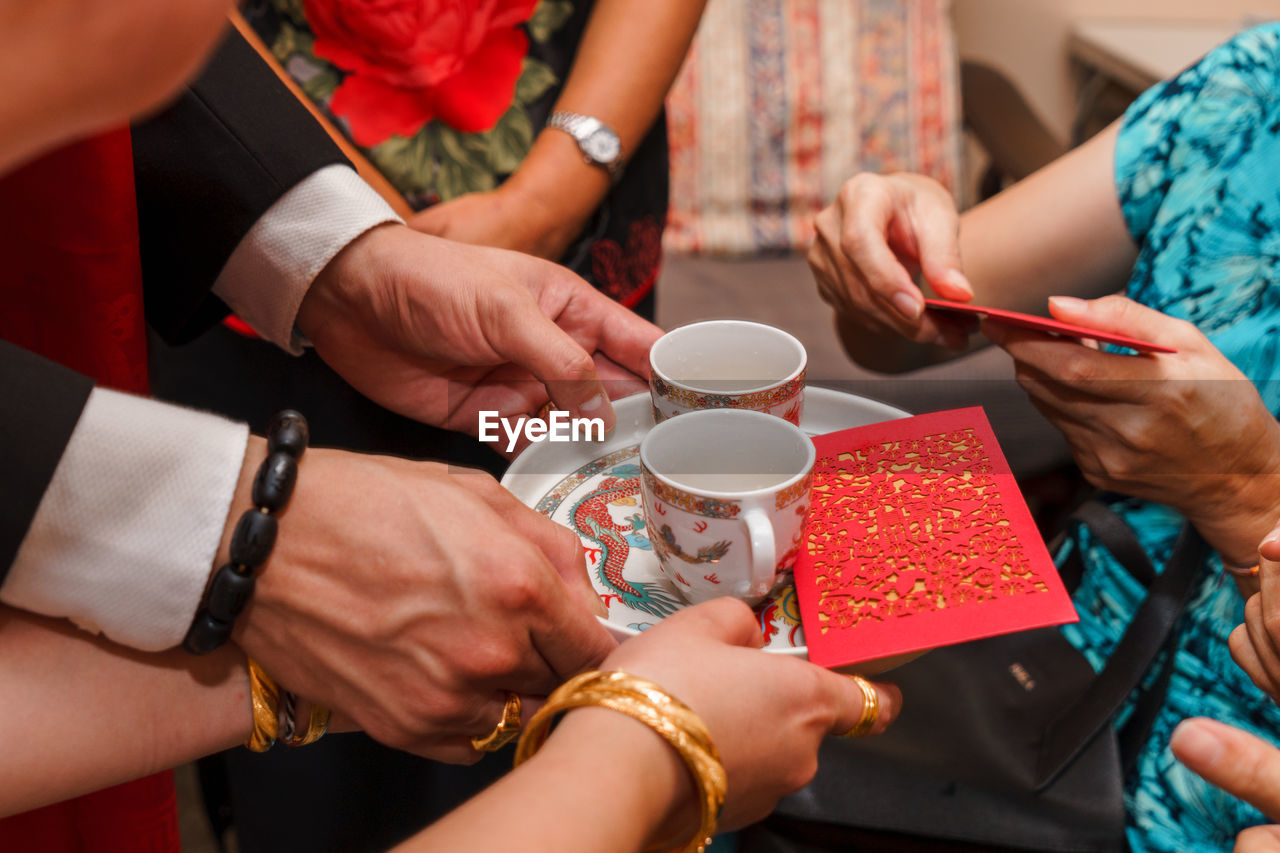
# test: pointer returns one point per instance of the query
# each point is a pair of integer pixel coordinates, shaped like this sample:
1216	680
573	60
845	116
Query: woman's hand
880	232
1187	429
1255	645
767	714
1240	764
504	218
605	781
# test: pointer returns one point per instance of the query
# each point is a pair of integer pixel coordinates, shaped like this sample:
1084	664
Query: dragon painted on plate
612	540
592	519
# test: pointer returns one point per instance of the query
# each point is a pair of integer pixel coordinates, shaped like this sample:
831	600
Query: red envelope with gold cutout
918	537
1044	324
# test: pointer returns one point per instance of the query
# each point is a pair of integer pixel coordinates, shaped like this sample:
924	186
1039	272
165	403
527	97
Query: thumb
528	338
1270	547
1239	763
1122	316
1258	839
725	619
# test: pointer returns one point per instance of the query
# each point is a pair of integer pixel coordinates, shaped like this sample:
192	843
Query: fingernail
1068	303
594	404
1196	743
956	279
908	305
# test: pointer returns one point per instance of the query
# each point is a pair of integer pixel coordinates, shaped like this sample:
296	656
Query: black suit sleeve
206	169
42	403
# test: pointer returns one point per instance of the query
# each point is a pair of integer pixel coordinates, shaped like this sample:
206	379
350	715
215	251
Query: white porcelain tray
593	488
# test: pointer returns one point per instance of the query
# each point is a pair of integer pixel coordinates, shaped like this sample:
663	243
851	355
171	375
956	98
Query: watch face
602	146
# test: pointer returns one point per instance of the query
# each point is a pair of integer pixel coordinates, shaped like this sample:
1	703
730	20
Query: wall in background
1027	39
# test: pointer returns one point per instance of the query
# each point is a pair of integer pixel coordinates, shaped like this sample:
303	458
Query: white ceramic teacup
725	493
727	364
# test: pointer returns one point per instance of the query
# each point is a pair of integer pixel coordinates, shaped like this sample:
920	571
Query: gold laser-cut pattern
905	527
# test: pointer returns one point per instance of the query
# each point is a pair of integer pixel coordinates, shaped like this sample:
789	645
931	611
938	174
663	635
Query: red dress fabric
72	292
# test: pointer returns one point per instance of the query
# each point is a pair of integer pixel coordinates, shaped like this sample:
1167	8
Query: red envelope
918	537
1044	324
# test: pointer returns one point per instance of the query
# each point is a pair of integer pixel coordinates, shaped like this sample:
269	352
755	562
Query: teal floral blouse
1197	170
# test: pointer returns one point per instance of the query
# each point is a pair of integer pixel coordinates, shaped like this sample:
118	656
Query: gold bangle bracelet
645	701
265	698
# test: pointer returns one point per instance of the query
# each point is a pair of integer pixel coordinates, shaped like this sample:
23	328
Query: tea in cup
725	494
728	364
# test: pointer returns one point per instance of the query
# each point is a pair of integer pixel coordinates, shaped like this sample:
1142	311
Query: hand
1187	430
440	331
880	232
410	596
767	714
1240	764
504	218
1255	645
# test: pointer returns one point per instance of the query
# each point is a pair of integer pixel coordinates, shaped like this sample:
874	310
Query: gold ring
507	730
870	709
317	725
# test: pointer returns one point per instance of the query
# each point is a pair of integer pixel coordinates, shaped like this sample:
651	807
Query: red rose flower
409	61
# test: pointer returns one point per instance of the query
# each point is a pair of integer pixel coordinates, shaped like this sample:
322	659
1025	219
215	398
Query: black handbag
1005	743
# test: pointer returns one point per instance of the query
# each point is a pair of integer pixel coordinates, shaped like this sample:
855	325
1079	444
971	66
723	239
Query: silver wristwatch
597	141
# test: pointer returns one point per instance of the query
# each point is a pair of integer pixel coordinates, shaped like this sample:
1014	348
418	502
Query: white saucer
593	488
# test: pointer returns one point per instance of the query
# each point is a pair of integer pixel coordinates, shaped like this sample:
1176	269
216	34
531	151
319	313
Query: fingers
560	545
1104	375
619	381
518	330
433	220
867	212
1246	657
1269	577
1239	763
623	335
553	593
1258	648
938	236
1259	839
850	702
1122	316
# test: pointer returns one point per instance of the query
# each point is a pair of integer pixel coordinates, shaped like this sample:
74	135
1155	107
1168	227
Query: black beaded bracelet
254	537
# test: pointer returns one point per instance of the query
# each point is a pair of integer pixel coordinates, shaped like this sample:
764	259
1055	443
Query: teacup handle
764	553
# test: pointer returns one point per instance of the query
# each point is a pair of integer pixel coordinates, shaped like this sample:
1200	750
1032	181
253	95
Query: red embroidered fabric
918	537
72	292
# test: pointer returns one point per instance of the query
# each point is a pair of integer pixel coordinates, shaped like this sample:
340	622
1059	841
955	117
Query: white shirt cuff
268	274
125	536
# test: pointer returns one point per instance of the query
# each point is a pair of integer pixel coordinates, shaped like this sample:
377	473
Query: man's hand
1240	764
440	331
410	596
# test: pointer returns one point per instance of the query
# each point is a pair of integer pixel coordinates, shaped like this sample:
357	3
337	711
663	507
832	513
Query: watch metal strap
575	124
